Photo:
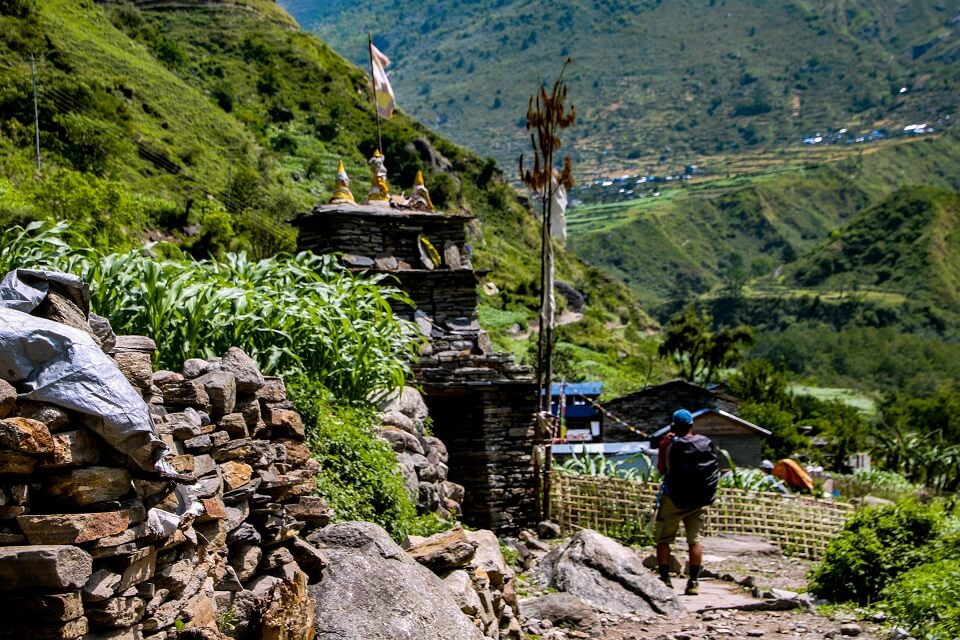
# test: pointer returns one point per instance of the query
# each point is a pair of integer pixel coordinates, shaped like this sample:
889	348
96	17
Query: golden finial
421	196
341	188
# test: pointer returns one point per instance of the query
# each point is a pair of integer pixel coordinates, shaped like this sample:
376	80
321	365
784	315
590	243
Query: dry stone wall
95	548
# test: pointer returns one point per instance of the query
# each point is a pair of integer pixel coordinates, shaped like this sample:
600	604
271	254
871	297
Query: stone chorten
379	194
481	401
341	188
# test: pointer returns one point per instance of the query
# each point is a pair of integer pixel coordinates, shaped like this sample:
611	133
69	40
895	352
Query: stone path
715	594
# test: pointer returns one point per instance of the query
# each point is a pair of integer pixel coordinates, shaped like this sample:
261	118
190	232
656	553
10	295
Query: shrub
359	475
875	546
17	8
920	599
882	484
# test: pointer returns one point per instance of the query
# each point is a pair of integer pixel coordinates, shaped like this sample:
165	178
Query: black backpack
694	470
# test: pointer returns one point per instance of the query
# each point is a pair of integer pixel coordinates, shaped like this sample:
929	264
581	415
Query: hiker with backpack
691	469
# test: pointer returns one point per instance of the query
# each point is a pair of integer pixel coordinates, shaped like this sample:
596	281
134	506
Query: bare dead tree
546	117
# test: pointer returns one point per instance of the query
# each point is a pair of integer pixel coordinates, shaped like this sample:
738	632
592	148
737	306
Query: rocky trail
750	591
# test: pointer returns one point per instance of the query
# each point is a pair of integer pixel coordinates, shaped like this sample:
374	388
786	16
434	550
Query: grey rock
461	586
564	610
245	371
230	581
244	559
428	497
8	398
407	401
44	567
54	417
116	612
401	421
194	367
489	557
850	629
548	530
261	585
607	575
453	491
401	440
221	388
101	585
438	450
103	331
410	480
368	575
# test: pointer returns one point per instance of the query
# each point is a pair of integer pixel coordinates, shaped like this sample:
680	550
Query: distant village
630	187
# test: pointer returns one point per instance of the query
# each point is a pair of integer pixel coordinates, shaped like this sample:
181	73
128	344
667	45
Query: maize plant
294	314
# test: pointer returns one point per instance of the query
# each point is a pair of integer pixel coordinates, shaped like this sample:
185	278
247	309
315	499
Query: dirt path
717	613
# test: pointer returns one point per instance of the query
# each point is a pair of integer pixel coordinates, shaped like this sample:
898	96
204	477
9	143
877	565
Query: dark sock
694	572
664	571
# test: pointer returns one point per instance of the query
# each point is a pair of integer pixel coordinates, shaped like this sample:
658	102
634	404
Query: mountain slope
909	244
209	124
693	239
659	81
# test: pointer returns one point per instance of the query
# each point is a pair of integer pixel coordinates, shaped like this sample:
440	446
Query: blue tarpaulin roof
577	388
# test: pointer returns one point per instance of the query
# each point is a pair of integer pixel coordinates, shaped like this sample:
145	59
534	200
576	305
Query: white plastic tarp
59	365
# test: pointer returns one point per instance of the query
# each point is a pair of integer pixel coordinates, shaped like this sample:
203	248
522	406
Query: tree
698	351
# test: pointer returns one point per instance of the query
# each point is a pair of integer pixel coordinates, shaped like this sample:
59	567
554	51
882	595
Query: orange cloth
793	474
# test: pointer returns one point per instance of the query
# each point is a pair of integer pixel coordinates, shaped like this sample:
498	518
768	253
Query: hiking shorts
669	518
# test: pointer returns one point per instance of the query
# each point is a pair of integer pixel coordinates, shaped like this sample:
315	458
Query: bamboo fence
801	525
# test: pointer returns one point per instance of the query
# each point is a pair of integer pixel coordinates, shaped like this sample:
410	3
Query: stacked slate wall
81	557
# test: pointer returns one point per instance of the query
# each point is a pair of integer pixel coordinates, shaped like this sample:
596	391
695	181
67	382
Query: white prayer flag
558	210
381	84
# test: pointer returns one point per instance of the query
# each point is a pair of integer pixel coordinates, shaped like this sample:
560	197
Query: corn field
295	314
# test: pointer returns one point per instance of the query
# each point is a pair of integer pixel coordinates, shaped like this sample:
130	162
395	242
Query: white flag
558	210
381	84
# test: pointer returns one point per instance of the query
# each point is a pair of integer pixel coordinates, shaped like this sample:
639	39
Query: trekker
690	469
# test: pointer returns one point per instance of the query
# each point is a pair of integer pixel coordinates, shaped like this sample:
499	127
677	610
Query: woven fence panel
624	509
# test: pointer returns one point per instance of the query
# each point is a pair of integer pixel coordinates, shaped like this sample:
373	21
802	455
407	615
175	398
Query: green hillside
908	244
210	124
723	233
659	83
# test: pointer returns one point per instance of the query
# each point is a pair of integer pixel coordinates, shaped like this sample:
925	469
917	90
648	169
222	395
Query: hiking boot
693	588
667	581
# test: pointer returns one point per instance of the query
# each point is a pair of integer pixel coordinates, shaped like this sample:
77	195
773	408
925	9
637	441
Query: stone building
651	408
481	402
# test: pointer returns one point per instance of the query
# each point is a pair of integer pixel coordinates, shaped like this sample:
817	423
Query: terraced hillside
693	239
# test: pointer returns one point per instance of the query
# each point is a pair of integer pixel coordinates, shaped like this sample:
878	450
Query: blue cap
682	416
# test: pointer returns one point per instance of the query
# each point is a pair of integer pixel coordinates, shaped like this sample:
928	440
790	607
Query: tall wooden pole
546	115
36	110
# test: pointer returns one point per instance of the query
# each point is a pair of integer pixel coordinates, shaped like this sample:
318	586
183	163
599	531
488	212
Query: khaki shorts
668	522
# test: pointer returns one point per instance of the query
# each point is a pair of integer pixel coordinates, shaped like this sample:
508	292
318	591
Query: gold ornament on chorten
341	188
421	196
379	189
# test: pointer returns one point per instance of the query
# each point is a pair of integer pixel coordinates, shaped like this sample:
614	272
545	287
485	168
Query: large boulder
607	575
372	590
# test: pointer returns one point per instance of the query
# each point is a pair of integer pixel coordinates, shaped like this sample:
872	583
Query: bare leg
696	554
663	553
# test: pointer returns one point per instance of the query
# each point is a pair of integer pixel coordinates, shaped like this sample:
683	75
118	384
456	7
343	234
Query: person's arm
662	462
